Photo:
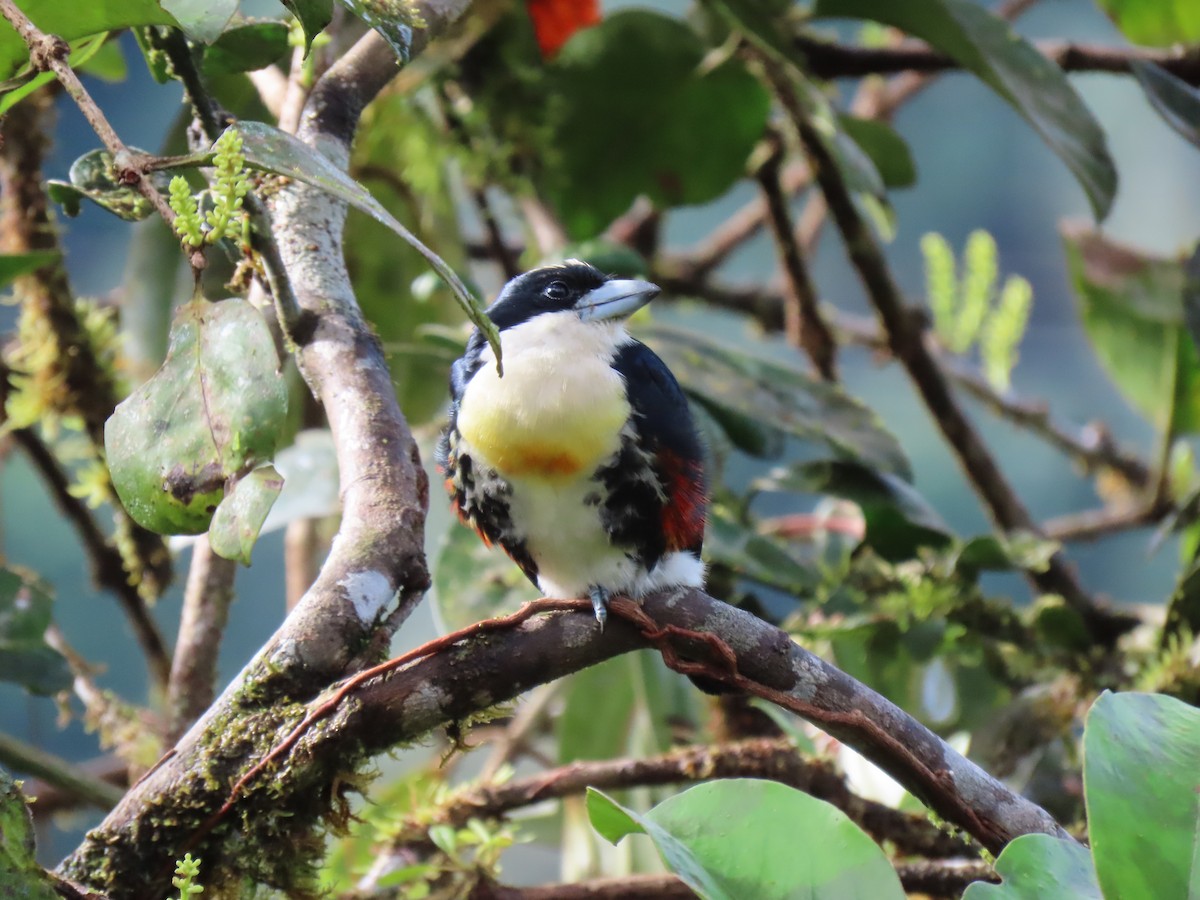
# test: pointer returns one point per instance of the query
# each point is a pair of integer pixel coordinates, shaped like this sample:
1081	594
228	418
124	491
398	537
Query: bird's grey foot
599	597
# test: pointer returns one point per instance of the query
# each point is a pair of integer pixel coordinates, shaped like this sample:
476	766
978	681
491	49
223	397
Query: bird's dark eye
556	291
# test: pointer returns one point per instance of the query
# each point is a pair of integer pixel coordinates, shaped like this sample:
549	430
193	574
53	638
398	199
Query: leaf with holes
92	177
213	412
1034	86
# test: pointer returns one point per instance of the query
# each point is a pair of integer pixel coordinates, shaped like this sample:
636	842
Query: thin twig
69	778
828	60
804	325
51	54
906	341
202	621
1094	524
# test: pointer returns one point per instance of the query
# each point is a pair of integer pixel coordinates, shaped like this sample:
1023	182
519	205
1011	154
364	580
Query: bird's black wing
656	496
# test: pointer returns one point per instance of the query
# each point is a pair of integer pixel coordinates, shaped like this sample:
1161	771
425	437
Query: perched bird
582	461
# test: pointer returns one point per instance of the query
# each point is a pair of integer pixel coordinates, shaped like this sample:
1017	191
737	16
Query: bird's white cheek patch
368	592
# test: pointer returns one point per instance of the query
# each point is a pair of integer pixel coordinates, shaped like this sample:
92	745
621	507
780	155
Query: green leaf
1038	866
1173	98
899	520
393	19
1132	310
313	16
201	20
246	46
760	402
1034	86
21	878
272	150
1141	753
738	838
213	412
92	178
239	518
618	139
472	582
887	150
1019	551
71	20
598	711
1156	23
25	657
751	555
14	265
84	56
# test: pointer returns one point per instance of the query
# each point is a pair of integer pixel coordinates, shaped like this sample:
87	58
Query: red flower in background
554	21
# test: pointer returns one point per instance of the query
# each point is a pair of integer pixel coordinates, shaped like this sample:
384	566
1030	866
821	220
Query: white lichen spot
369	593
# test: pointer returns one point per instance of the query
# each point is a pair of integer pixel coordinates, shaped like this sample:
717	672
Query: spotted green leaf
20	876
213	412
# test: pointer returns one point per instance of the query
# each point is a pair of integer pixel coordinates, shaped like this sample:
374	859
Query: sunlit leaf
1141	753
201	20
760	402
1034	86
616	139
20	876
71	20
213	412
739	838
1155	23
239	519
1038	865
25	657
1132	307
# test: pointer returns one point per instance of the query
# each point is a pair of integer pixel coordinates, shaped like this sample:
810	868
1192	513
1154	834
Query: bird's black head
571	286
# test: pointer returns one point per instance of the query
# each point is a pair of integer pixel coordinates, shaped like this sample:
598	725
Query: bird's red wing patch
684	513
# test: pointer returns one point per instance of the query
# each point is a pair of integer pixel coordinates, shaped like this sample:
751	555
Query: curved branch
490	669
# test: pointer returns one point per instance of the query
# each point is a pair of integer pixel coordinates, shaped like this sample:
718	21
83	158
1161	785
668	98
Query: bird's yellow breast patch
557	412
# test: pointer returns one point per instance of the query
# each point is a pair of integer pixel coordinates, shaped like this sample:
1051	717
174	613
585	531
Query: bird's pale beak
615	299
